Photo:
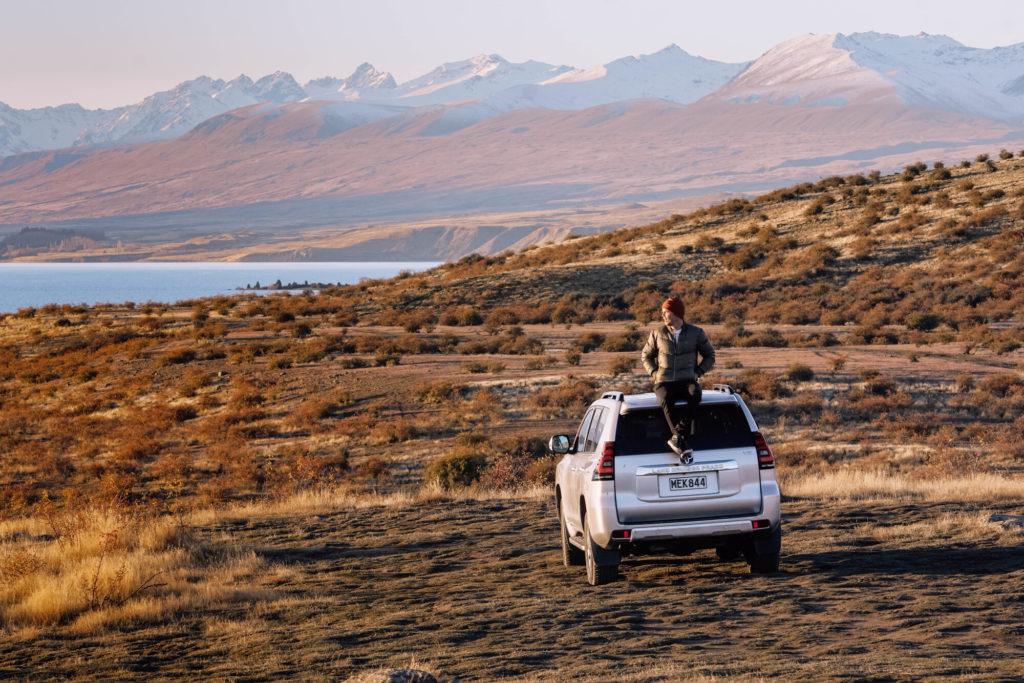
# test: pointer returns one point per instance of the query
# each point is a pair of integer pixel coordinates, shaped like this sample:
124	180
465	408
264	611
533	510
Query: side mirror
559	444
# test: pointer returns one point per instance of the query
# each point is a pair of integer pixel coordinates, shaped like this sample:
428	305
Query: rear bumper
698	532
692	530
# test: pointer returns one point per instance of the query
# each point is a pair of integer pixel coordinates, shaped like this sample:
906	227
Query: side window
596	427
581	435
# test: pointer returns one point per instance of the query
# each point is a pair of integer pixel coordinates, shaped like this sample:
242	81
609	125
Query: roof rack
724	388
614	395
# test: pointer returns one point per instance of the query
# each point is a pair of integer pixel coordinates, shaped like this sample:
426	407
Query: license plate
687	484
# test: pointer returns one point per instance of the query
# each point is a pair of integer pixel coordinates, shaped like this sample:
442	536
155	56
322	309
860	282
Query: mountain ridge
814	106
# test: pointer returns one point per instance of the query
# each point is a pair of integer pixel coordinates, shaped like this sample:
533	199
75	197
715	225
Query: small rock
1008	521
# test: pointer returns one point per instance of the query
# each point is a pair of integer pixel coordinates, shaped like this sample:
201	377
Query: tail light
605	470
765	457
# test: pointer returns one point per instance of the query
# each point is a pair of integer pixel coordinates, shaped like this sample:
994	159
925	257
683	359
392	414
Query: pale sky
105	53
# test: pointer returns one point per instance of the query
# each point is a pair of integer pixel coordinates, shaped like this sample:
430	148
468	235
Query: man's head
673	311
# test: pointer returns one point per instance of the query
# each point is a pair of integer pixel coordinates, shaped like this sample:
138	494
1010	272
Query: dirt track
475	591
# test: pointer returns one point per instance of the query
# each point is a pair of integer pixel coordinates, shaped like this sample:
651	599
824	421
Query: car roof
650	400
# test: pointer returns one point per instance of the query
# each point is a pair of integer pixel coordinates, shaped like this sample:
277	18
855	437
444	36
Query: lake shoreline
32	285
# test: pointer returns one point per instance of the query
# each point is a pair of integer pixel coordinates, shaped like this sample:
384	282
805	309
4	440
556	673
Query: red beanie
675	305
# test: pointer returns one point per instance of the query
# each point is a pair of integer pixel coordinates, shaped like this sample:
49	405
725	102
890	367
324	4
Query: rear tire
571	555
596	574
766	561
764	564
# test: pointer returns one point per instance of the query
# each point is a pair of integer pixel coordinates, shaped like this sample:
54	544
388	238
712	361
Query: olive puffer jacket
668	360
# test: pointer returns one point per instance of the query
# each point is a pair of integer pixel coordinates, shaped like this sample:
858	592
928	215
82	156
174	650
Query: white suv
620	491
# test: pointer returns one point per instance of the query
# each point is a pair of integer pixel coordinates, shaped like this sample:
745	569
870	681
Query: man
670	358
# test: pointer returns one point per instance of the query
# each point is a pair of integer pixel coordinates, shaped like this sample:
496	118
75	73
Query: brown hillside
325	484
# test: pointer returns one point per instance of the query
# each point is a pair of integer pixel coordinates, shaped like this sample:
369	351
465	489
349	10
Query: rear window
714	426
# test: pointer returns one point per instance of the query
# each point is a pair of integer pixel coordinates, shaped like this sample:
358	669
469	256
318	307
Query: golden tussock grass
963	526
92	566
857	485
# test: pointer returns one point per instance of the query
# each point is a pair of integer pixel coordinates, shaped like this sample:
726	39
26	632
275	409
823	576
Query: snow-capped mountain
807	71
670	74
29	130
363	81
473	79
939	72
172	112
935	72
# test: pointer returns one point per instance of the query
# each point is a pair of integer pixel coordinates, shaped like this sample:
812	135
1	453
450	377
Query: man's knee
693	393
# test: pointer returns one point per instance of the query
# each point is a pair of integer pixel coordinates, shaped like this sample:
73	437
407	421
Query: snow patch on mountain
364	81
670	74
938	72
473	79
29	130
809	70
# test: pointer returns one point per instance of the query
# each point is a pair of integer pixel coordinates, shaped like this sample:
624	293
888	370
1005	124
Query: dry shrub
760	384
246	395
588	341
462	316
300	467
356	426
194	380
460	467
485	405
520	462
621	365
174	468
1002	384
806	407
626	341
799	372
311	411
568	399
438	391
177	356
258	430
374	467
391	430
479	366
541	363
133	452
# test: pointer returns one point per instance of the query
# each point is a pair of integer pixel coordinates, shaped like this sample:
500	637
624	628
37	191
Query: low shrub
621	365
798	372
459	468
760	384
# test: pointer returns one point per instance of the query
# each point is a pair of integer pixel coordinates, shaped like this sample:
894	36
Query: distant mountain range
671	74
488	135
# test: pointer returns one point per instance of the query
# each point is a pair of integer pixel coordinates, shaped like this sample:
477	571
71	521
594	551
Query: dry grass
972	527
91	566
866	486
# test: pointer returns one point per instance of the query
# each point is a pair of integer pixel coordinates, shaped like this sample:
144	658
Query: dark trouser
679	417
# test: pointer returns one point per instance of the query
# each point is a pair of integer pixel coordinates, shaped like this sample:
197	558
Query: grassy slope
172	409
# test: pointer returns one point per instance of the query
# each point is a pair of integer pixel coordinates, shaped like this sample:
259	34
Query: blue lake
36	284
